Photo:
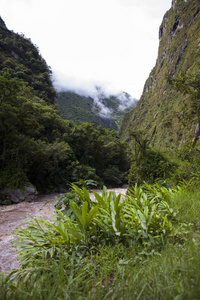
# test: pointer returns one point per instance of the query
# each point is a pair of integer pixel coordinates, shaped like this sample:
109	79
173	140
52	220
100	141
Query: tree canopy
38	146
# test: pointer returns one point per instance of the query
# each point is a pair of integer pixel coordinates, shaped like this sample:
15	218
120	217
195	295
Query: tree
29	149
147	164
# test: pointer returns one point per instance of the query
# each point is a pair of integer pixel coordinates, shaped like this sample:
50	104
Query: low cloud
105	112
83	87
98	91
126	101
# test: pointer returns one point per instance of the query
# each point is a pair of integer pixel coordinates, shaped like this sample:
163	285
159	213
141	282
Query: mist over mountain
95	106
100	93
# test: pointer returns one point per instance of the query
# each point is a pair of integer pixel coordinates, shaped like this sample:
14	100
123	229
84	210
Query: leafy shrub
182	172
94	247
140	217
149	166
13	176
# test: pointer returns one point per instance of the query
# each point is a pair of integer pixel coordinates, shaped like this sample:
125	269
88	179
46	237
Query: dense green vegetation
190	111
150	164
178	53
22	60
36	145
144	245
33	132
83	109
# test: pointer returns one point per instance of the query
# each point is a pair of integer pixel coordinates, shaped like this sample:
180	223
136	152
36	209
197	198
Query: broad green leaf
141	216
134	202
109	199
92	213
100	200
142	220
61	229
86	195
164	221
118	206
146	211
149	218
78	191
84	214
104	192
77	214
114	223
52	251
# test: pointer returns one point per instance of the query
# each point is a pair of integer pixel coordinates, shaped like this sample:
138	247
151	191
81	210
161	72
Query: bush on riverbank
148	251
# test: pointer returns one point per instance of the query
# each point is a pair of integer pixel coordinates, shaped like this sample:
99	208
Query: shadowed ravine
11	216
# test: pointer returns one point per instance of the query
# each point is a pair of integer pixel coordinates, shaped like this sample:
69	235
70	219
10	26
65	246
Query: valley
104	245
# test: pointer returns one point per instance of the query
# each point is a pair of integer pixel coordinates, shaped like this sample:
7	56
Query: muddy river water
12	216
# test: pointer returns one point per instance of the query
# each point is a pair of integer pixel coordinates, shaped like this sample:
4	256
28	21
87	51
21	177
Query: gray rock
27	193
63	191
125	186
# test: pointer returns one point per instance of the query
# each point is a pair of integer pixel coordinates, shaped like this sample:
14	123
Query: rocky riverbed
12	216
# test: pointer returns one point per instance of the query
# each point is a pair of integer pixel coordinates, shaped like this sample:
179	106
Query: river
12	216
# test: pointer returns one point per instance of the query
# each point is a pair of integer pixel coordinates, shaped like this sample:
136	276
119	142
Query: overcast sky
113	43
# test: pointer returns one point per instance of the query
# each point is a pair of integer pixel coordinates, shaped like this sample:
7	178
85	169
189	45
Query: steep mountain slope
179	52
21	59
106	111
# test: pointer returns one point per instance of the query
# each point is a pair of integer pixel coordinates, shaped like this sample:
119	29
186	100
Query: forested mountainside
100	110
37	146
22	60
162	108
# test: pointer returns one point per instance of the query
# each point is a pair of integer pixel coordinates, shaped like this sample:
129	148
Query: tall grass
125	271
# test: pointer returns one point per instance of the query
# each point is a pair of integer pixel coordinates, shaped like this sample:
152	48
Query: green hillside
81	109
84	109
37	146
179	53
22	60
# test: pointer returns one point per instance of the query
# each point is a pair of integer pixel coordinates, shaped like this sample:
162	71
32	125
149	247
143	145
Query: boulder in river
27	193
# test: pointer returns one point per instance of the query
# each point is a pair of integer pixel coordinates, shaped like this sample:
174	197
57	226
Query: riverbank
12	216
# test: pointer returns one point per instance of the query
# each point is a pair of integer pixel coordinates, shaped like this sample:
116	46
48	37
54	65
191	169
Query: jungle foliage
32	132
22	60
36	145
148	164
83	109
142	245
145	243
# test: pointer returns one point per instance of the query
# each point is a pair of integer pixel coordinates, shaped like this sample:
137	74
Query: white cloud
110	41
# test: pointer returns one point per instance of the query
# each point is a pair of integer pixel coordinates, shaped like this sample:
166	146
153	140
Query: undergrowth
143	245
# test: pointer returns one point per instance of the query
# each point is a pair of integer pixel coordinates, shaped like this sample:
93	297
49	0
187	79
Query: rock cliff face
179	52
